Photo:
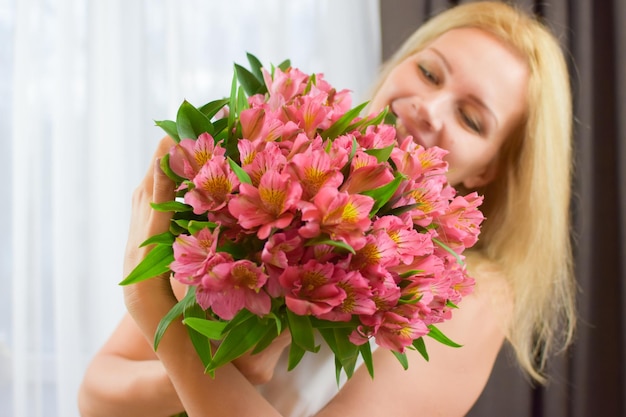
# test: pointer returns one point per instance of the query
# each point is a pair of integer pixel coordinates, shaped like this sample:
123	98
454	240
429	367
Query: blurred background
81	83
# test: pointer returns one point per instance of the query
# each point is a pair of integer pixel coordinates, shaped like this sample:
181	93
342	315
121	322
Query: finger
163	187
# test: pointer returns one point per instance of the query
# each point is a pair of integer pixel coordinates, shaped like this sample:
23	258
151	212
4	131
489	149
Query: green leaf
200	342
171	206
301	331
436	334
410	273
165	167
210	109
191	122
366	354
420	346
242	316
194	226
451	304
232	106
165	238
169	127
382	155
251	84
402	359
346	352
449	250
239	172
266	340
238	341
296	353
211	329
255	67
362	124
341	125
383	194
155	263
325	240
284	65
175	312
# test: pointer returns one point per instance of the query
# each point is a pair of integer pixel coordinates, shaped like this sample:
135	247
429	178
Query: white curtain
80	85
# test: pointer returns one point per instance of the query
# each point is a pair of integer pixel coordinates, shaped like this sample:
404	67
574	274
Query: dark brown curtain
588	380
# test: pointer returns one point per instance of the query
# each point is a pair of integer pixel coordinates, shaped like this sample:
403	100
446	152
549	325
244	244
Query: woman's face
465	92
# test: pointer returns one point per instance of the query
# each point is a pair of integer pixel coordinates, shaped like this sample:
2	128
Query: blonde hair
527	206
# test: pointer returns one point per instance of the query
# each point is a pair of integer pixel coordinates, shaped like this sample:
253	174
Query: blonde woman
490	85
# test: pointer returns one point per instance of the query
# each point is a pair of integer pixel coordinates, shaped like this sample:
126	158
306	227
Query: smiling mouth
403	131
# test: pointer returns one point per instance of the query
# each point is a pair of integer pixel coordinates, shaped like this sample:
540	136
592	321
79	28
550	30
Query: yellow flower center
245	277
312	279
273	199
217	187
350	213
368	255
314	179
202	156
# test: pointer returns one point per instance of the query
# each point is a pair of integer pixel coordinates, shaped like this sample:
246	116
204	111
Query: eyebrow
472	97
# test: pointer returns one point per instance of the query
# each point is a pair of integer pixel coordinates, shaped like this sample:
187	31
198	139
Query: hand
148	299
259	368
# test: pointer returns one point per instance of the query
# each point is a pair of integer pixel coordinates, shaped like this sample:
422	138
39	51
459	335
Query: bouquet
295	213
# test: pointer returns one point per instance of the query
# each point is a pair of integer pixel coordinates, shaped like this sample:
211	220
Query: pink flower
284	86
258	162
378	252
189	155
366	174
377	137
431	195
409	242
236	285
414	161
193	255
309	113
460	224
394	330
313	170
269	205
358	299
312	288
341	215
213	186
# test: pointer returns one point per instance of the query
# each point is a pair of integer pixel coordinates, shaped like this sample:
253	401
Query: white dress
305	390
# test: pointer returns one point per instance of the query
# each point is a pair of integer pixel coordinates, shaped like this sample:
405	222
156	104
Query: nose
429	111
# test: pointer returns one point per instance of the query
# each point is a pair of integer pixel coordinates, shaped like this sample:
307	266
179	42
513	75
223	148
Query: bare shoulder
453	378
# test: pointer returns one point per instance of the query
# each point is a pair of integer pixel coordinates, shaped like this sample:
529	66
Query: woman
489	85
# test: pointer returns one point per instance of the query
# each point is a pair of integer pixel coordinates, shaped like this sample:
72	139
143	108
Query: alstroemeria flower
268	206
341	215
409	242
313	170
284	86
258	162
312	288
430	195
358	299
399	327
377	137
460	224
188	156
193	255
414	161
214	185
366	174
237	285
309	113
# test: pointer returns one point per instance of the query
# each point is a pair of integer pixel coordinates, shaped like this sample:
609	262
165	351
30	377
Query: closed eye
470	122
428	75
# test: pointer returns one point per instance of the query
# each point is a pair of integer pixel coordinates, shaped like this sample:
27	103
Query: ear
483	178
